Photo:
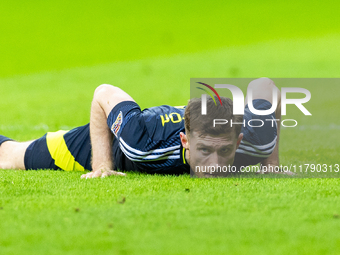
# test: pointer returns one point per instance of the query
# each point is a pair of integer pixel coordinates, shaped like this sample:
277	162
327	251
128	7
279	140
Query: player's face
207	152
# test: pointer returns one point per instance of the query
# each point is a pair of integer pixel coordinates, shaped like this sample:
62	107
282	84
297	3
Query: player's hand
101	173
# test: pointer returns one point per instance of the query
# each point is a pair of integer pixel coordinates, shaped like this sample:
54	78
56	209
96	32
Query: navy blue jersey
148	140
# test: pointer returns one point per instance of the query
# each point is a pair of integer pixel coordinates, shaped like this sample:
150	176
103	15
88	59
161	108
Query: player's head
208	145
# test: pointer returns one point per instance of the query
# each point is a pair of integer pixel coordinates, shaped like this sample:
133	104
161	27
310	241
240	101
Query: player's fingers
119	173
88	175
111	172
99	173
96	174
105	174
91	174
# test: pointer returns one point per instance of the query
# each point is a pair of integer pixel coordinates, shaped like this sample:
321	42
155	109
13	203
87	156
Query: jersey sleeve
120	115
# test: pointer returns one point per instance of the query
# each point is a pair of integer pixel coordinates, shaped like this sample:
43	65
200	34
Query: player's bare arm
263	88
105	98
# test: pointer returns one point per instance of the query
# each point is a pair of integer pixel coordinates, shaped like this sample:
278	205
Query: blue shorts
67	150
258	142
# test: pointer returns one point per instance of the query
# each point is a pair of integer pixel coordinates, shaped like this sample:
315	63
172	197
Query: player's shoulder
164	122
164	109
164	114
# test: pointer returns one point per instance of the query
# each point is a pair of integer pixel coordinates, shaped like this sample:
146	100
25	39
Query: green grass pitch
54	54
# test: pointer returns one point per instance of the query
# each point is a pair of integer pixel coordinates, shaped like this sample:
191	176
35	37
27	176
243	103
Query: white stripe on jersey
260	147
256	150
250	148
149	156
176	147
172	152
156	157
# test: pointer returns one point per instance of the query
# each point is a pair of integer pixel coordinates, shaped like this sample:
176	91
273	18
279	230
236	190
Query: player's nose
213	159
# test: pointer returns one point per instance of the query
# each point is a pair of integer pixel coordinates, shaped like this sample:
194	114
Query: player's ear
239	139
184	140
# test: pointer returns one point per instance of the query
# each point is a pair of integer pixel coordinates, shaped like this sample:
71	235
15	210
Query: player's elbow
261	84
103	89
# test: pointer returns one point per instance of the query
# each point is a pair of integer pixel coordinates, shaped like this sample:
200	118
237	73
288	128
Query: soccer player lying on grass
156	140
